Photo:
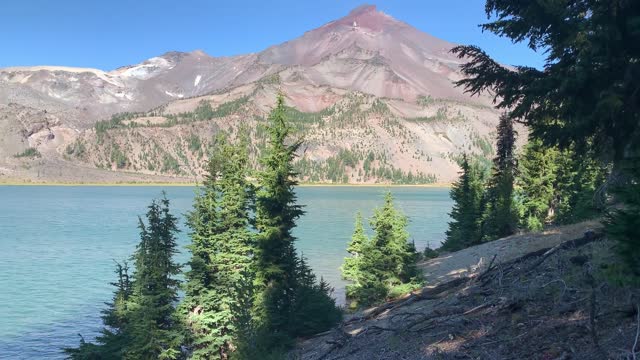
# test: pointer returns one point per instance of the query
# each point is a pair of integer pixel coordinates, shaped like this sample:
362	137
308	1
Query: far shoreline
180	184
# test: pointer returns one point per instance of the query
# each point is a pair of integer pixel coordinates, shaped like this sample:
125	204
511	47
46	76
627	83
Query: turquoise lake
58	246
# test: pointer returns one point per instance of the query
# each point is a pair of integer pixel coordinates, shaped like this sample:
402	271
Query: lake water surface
58	246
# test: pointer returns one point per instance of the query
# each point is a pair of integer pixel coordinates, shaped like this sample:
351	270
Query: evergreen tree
154	328
391	235
222	254
280	282
276	214
569	103
466	193
355	248
578	178
140	321
623	224
246	329
114	338
500	217
314	309
385	263
536	184
557	186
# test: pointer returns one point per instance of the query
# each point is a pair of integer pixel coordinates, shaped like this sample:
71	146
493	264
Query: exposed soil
465	262
544	296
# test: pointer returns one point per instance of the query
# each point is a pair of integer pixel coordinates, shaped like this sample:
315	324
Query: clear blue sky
106	34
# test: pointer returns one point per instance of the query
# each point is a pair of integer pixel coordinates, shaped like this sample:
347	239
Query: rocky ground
552	295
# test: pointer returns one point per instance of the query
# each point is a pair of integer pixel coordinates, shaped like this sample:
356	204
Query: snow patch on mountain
197	80
173	94
147	69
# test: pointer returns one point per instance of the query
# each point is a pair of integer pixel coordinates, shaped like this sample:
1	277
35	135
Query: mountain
85	95
373	97
372	52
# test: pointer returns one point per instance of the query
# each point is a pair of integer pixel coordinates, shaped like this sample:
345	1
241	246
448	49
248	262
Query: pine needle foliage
623	224
284	281
557	186
466	215
222	249
500	218
536	185
383	263
154	328
140	321
586	96
112	341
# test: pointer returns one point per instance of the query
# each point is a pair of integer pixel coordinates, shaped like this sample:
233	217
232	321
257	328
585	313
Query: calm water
58	246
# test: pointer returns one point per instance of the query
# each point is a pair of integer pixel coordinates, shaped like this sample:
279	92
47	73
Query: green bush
402	289
29	152
77	149
194	143
170	164
430	253
118	157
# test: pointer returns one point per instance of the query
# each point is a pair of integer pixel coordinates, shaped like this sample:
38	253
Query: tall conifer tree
276	215
140	322
578	176
153	323
355	248
466	215
279	277
501	218
536	184
557	186
568	103
222	254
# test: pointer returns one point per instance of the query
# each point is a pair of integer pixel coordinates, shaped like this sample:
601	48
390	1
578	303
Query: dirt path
467	261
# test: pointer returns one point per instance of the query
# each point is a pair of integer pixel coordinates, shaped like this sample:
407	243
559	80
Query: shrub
29	152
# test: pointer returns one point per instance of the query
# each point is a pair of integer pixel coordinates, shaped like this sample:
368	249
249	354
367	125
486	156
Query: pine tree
578	178
154	328
140	322
536	184
114	338
314	309
222	254
557	186
390	234
386	263
276	214
567	103
466	193
355	248
623	224
246	329
278	278
500	217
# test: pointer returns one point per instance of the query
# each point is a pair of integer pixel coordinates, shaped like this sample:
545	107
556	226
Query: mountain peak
363	9
366	16
368	29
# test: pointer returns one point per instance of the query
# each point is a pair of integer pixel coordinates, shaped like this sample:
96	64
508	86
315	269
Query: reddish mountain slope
385	86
